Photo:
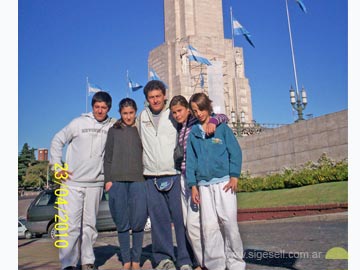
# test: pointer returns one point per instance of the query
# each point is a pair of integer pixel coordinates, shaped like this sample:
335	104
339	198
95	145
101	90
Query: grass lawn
333	192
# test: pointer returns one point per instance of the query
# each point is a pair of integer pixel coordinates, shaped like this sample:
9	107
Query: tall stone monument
199	23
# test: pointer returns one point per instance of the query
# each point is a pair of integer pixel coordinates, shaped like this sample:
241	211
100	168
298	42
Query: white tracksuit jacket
86	138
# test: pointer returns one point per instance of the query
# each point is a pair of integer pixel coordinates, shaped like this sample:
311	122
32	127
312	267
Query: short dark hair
101	96
154	85
127	102
202	101
179	100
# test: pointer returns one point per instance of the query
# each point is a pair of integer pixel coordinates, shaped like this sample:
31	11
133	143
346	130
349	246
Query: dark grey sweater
123	155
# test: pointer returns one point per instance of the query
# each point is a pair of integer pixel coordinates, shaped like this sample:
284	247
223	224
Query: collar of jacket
120	124
106	120
166	106
196	130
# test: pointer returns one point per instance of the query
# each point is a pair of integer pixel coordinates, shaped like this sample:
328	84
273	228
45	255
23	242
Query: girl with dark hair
181	112
125	183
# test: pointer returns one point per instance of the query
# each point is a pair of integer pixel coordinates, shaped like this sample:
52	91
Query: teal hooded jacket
213	156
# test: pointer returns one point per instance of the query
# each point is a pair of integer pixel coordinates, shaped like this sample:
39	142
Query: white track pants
191	216
223	246
81	209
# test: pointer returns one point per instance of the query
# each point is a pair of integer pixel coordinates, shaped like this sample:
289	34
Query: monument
199	23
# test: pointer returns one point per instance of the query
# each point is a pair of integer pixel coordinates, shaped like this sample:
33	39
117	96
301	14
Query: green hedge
324	170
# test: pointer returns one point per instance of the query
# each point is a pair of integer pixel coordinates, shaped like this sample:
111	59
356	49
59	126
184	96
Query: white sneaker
166	265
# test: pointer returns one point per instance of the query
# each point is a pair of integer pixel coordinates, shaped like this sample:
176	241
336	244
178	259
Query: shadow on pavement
31	266
27	243
104	253
146	254
251	256
270	258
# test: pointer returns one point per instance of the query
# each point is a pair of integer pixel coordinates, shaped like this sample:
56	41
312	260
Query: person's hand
210	128
195	196
108	186
232	185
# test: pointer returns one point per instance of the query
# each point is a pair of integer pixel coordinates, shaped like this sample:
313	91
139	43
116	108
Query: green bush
251	184
274	181
300	178
324	170
341	171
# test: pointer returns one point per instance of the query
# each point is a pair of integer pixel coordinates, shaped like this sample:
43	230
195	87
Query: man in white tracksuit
85	137
158	134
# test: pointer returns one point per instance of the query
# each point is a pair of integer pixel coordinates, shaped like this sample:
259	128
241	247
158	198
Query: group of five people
134	158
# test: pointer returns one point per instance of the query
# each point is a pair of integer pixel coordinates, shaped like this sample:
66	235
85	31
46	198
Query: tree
25	159
36	175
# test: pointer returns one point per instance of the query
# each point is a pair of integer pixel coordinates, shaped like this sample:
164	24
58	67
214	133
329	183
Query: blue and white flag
240	30
93	88
301	5
194	55
154	76
134	85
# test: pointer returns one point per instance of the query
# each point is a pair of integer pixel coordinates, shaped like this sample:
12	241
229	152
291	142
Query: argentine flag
240	30
134	85
301	5
93	88
154	76
194	55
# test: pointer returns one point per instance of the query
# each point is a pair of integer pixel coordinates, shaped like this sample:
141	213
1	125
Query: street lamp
298	102
237	122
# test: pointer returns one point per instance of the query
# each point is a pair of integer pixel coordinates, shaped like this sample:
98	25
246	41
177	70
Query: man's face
100	110
156	100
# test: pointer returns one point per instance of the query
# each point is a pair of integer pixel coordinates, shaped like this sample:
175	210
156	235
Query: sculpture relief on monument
239	67
186	25
184	61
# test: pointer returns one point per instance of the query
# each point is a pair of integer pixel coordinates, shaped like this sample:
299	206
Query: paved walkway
298	243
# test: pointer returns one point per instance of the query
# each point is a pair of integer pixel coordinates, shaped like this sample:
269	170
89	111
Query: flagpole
233	49
86	94
127	81
292	49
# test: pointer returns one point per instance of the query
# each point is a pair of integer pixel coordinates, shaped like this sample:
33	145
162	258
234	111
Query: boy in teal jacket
213	165
219	155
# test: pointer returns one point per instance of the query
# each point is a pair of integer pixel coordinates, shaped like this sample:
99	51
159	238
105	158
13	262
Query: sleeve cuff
191	185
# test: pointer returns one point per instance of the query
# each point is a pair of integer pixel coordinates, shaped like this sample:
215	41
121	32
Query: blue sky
60	43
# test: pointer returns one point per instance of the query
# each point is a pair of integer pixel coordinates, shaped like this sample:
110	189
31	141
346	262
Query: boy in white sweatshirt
83	177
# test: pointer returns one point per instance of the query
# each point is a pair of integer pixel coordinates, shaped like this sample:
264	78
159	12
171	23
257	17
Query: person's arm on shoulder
215	120
109	148
138	123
